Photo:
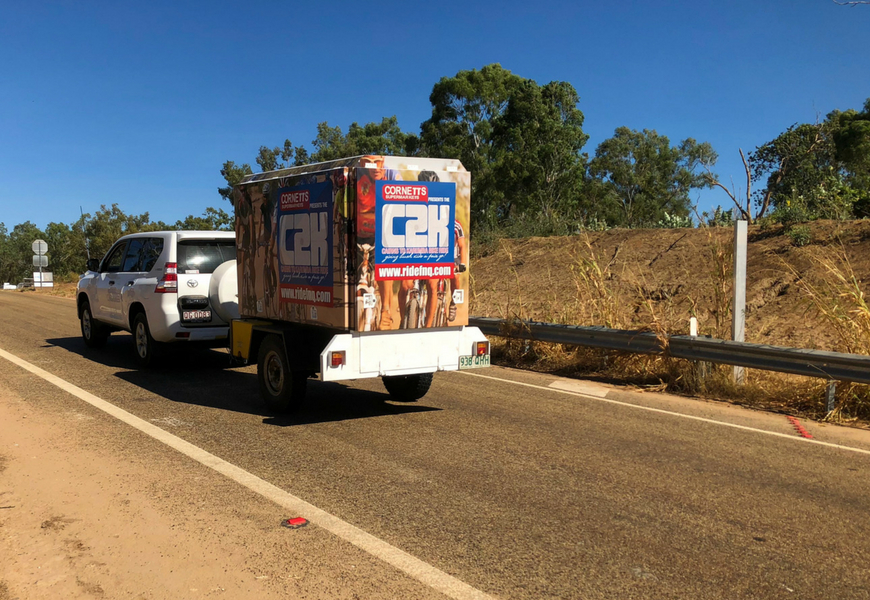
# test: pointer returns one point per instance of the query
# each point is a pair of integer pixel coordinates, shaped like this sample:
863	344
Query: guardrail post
701	367
831	396
738	306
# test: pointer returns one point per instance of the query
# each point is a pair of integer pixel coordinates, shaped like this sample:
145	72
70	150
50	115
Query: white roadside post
699	366
738	324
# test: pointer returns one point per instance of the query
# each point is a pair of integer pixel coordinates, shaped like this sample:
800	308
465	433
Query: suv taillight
168	284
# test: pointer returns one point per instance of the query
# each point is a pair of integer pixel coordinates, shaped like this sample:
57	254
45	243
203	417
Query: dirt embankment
658	278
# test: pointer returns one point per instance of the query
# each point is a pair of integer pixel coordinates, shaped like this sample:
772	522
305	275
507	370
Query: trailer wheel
282	389
407	388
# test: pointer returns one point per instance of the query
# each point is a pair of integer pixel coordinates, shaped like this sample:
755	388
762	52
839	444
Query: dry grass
838	299
64	290
628	300
618	300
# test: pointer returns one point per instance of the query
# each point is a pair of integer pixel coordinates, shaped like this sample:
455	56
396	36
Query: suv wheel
144	344
282	389
93	332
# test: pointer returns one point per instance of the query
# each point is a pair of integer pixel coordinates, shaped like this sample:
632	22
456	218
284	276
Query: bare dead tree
855	3
744	206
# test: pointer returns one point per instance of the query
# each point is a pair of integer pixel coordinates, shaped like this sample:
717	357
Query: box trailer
354	268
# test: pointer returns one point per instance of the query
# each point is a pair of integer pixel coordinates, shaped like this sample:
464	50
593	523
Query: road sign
40	261
39	247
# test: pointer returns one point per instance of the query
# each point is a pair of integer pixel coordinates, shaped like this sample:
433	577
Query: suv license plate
196	315
473	362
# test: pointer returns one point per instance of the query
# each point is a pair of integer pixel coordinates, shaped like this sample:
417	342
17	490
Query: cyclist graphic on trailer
367	194
244	232
268	210
460	257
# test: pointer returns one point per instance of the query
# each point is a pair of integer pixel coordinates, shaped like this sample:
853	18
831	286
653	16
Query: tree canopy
465	109
539	138
638	177
372	138
823	167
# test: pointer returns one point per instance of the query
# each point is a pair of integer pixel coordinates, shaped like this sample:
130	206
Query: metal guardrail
834	366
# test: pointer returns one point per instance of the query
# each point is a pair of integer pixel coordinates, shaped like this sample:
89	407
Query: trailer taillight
337	359
168	284
481	348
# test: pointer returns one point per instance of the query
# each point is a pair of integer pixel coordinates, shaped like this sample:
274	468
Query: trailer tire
282	389
407	388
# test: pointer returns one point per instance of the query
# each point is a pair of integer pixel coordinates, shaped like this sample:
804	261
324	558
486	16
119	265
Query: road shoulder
78	521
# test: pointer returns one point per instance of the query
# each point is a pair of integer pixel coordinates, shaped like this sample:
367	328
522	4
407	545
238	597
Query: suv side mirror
94	264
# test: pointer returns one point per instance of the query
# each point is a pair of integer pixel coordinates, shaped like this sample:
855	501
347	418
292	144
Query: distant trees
70	245
372	138
638	177
812	170
16	251
213	219
523	143
465	112
539	138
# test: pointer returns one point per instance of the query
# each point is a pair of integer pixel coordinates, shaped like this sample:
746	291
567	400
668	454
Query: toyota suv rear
156	286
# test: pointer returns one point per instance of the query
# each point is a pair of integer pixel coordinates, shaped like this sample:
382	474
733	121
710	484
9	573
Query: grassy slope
657	279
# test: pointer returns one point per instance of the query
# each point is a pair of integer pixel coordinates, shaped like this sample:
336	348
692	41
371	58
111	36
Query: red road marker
294	523
800	428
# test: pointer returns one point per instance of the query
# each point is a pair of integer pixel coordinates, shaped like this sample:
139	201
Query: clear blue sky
140	103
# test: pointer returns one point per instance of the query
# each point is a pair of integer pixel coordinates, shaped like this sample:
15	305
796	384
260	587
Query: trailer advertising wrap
291	236
305	236
412	218
369	243
415	221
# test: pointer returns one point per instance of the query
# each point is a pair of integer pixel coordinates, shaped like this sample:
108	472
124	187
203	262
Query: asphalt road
517	490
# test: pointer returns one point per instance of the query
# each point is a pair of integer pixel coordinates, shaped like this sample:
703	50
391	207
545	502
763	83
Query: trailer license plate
196	315
473	362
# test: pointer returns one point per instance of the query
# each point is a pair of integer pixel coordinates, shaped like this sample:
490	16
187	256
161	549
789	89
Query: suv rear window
201	256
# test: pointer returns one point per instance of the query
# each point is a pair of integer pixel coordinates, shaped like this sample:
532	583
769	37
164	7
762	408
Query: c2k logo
416	225
304	239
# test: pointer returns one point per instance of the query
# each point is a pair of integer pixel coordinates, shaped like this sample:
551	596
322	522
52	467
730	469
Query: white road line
416	568
671	413
581	387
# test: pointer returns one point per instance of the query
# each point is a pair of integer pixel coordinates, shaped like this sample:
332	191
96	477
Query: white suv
157	286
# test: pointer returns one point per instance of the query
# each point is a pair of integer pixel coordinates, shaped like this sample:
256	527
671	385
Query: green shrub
792	213
765	223
800	235
718	218
674	222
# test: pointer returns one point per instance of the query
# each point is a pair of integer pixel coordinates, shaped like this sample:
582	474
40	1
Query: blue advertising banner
305	243
414	224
